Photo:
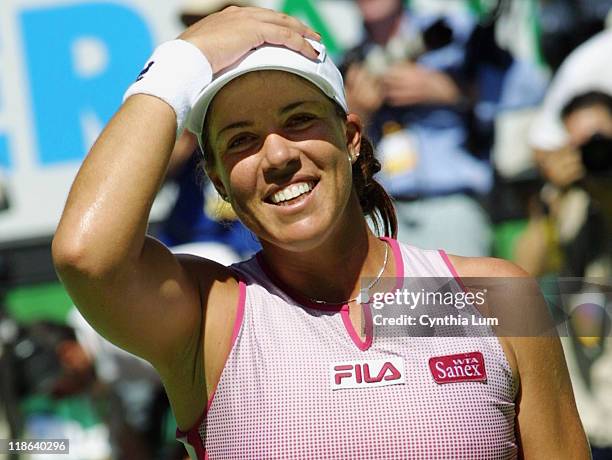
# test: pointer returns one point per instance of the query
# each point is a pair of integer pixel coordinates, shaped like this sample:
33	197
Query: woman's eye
239	141
300	120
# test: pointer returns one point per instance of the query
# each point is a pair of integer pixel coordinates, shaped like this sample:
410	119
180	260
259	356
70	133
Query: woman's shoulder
513	298
481	267
545	403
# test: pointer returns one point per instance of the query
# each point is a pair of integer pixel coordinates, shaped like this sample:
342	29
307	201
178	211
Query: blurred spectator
133	382
200	222
72	383
539	249
428	88
146	429
59	393
585	70
576	216
588	352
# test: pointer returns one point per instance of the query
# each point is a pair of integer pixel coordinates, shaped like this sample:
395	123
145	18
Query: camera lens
597	154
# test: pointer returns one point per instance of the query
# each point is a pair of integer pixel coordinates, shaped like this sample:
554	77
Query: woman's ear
214	177
354	129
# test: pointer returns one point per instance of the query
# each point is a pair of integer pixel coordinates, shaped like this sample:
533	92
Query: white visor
322	72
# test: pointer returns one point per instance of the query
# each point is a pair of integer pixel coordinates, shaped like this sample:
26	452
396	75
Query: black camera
597	154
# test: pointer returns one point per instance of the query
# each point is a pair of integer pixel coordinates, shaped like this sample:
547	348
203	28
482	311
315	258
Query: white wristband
176	72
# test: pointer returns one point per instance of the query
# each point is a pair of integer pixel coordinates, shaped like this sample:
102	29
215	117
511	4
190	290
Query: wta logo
464	367
370	373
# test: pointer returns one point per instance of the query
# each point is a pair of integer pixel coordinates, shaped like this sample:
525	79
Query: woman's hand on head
226	36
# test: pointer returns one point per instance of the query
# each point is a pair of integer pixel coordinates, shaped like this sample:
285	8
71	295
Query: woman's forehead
264	88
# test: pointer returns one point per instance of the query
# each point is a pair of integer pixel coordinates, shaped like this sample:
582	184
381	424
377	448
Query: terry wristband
176	72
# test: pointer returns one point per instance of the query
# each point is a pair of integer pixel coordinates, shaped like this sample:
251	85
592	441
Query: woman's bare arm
130	287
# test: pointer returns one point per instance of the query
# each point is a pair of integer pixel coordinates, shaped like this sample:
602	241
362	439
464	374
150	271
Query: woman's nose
279	151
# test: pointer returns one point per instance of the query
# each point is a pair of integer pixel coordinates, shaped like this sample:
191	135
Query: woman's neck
332	271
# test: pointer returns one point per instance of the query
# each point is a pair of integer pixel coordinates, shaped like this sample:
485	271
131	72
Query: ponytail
374	199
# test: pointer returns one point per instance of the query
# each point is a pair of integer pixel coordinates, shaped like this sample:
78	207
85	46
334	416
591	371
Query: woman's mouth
293	193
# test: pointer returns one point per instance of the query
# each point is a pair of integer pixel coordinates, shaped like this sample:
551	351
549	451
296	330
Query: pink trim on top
397	257
193	435
344	311
239	312
299	298
365	344
303	300
451	268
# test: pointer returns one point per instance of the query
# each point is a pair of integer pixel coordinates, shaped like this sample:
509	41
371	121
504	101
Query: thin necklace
382	269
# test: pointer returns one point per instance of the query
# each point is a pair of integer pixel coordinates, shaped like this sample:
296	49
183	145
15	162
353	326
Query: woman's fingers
226	36
279	35
283	20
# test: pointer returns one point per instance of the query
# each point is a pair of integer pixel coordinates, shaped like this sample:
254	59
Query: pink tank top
300	382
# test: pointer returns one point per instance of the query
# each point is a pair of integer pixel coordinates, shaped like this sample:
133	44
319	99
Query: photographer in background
575	221
586	69
588	157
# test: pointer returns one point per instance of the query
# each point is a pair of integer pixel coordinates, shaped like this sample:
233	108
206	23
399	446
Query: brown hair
373	198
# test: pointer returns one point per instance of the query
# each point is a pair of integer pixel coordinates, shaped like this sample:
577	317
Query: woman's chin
299	236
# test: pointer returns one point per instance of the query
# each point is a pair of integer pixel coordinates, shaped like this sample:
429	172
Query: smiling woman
280	158
266	359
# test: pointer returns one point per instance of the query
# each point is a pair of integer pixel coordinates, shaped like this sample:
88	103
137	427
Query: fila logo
370	373
145	70
464	367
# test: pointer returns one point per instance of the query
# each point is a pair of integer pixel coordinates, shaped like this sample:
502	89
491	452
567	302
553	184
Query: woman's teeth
291	192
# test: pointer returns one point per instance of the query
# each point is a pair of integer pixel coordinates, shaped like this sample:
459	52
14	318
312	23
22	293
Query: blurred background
492	120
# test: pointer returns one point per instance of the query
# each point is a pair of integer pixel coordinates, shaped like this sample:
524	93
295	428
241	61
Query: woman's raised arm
130	287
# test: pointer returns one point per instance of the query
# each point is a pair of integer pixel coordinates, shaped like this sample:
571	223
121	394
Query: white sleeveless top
299	382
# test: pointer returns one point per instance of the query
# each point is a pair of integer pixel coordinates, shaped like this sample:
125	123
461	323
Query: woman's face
283	156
